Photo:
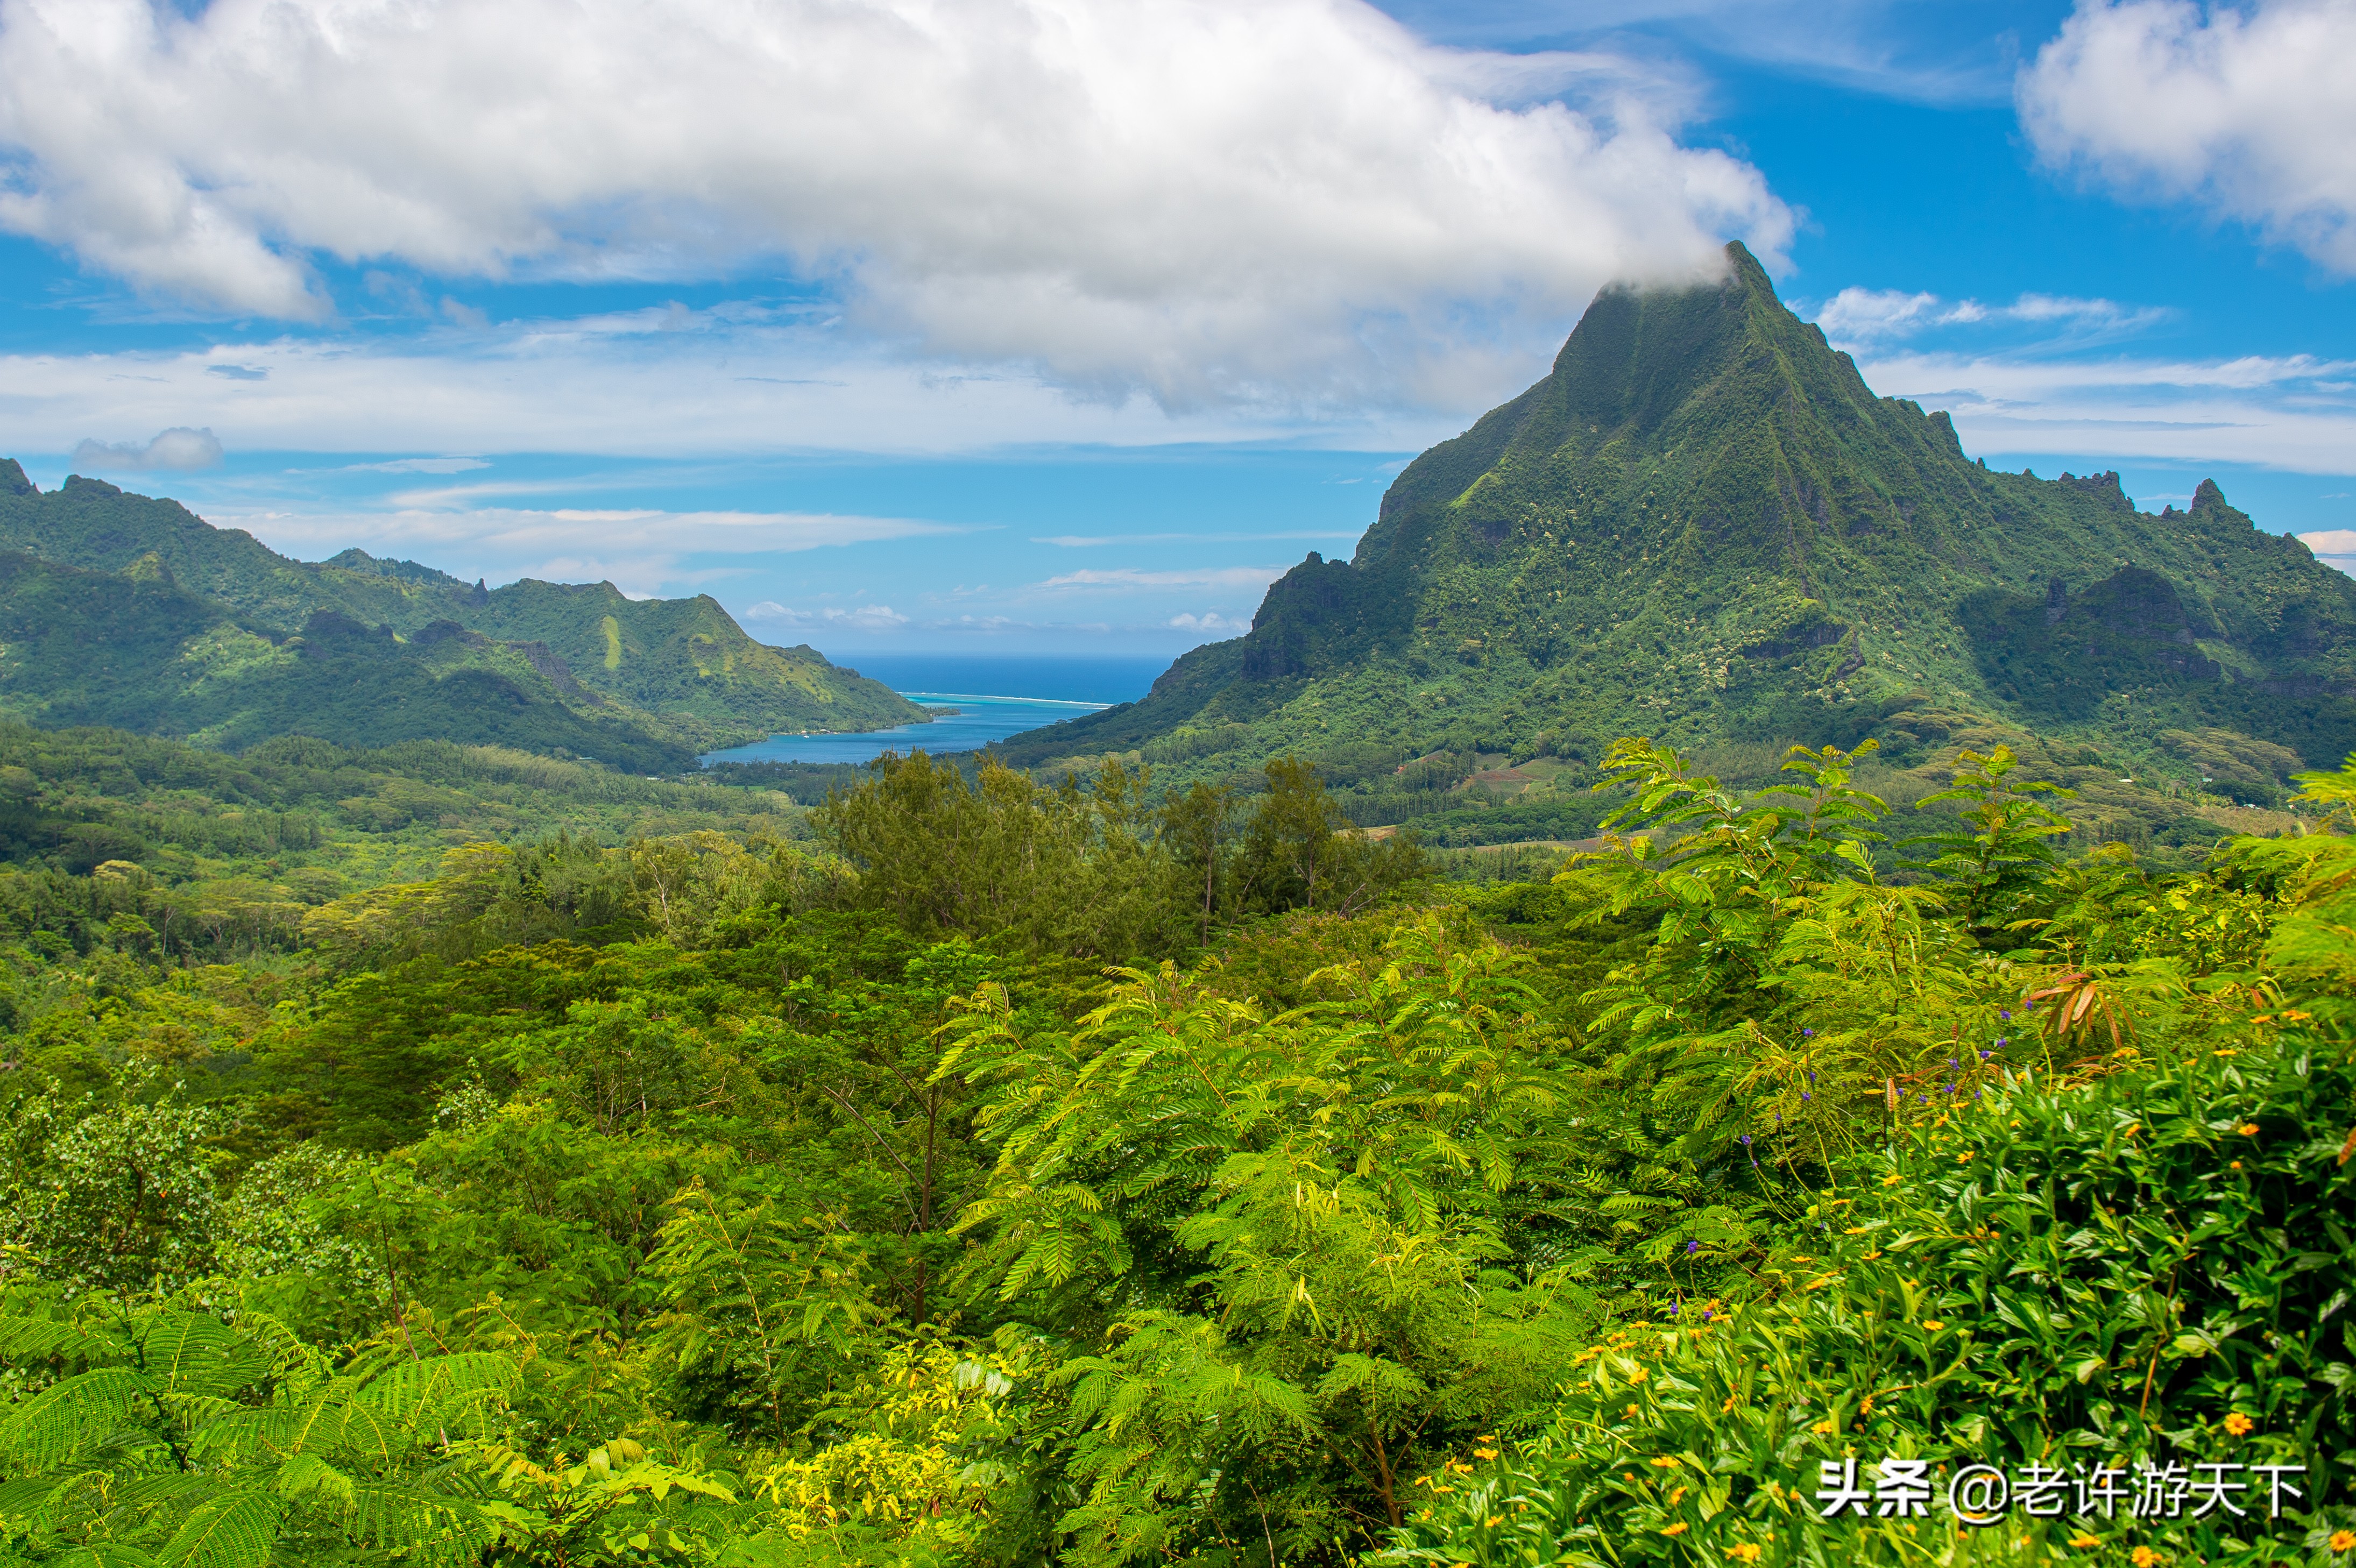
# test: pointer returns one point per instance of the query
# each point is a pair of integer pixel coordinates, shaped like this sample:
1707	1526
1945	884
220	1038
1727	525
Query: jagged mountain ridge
133	651
683	662
1704	526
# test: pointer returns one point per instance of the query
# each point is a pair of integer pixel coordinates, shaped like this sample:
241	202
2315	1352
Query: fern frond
421	1395
69	1417
38	1338
305	1474
235	1530
421	1526
190	1352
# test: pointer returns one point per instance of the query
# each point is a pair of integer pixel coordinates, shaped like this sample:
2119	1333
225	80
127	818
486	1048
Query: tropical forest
1735	989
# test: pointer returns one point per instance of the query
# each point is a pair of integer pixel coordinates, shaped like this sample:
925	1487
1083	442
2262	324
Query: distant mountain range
123	609
1704	526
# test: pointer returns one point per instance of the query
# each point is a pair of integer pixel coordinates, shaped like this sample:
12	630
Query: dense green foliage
970	1171
89	649
134	612
1705	519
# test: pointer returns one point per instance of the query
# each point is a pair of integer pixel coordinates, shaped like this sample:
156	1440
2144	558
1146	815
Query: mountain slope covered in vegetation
685	663
1704	526
136	653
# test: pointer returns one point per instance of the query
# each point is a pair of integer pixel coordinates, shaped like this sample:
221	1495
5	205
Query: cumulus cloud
1205	199
178	450
2333	546
1857	315
2246	111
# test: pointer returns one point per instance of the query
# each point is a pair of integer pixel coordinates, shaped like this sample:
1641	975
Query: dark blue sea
994	698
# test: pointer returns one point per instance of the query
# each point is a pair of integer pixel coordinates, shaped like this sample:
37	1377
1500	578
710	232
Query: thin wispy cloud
2278	411
1092	541
1133	580
1856	316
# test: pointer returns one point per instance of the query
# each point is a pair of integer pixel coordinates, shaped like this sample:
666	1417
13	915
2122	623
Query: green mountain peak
1702	524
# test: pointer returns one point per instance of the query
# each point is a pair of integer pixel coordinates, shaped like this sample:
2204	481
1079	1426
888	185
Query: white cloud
1205	199
178	450
515	533
2246	111
859	618
1210	623
1855	315
418	465
564	386
2281	413
1130	579
1092	541
2333	546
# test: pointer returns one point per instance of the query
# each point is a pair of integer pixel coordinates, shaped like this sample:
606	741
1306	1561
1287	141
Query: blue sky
1050	326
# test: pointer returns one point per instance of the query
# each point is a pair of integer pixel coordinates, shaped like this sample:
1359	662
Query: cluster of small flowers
1982	1495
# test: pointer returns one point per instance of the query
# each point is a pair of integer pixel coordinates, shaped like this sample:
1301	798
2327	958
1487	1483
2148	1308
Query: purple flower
1950	1061
1807	1034
1986	1055
1806	1096
2005	1013
1811	1075
2001	1043
1692	1247
1951	1088
1705	1314
1779	1118
1746	1137
1924	1098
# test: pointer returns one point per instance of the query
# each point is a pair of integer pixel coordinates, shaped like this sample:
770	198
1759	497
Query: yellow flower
1665	1463
1824	1428
1866	1408
2239	1425
1746	1553
1932	1324
2084	1541
1676	1496
1496	1519
1484	1453
2343	1540
2237	1165
1890	1180
2145	1557
2248	1129
1964	1157
1676	1529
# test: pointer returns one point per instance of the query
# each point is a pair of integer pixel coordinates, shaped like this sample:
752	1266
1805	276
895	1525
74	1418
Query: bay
979	720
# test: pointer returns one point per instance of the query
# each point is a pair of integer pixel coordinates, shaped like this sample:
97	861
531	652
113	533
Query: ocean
994	698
